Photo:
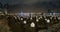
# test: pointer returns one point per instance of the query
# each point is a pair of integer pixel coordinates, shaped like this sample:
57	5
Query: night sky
33	4
27	2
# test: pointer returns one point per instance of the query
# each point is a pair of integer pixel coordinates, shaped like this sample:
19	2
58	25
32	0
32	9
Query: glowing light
32	24
24	22
48	21
21	18
37	20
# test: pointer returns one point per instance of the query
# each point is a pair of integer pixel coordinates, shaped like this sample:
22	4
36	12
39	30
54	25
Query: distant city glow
23	14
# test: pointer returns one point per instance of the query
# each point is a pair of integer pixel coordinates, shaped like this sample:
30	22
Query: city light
21	19
24	22
48	21
37	20
32	24
29	15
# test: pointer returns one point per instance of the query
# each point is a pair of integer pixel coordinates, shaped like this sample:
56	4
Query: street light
21	19
24	22
32	24
48	21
